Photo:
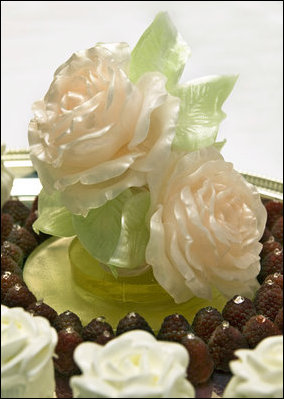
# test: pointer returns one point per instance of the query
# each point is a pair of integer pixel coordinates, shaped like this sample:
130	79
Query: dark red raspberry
238	311
268	299
8	264
8	280
68	319
35	204
279	319
29	226
274	211
272	263
13	250
19	295
29	223
42	309
133	321
68	340
25	240
6	226
205	322
269	246
201	365
257	328
63	389
104	338
266	235
223	343
173	328
277	230
276	278
17	210
98	329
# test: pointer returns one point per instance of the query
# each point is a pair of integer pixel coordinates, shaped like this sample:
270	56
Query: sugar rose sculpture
129	164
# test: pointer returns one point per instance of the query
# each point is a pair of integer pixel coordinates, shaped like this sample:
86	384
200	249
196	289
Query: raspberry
238	311
29	223
35	204
98	329
274	211
205	322
257	328
8	280
17	210
276	278
25	240
68	340
63	389
104	338
279	319
201	365
266	235
13	250
29	226
269	246
68	319
133	321
42	309
277	230
223	343
268	299
174	327
8	264
6	226
272	263
19	295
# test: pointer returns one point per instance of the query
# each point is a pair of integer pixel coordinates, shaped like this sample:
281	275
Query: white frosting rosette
133	365
7	179
205	227
96	133
258	372
27	347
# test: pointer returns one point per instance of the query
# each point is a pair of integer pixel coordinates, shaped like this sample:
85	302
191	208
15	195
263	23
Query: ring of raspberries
210	339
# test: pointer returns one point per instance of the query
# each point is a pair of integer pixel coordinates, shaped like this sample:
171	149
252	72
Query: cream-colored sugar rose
133	365
258	372
27	348
206	225
96	133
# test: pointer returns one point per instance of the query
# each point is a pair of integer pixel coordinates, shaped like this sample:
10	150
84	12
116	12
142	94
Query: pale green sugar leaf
134	236
54	218
160	49
200	111
99	231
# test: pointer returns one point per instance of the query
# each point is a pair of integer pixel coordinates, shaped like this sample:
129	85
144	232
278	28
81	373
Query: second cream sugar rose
206	223
133	365
27	347
258	372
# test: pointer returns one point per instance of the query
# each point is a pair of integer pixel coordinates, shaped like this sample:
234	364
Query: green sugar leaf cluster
200	111
162	49
116	234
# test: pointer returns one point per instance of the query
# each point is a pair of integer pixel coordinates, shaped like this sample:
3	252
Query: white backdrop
225	37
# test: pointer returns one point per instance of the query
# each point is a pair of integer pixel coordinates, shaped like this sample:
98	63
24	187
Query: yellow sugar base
66	277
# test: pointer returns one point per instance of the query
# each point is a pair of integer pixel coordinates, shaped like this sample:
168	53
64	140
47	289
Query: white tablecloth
225	38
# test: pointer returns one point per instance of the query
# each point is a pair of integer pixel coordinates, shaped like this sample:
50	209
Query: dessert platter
135	261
